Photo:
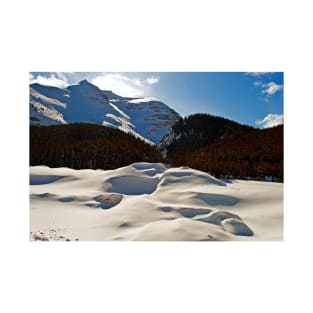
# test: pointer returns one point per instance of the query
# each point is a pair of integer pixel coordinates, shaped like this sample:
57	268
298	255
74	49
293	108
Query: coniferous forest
87	146
225	148
208	143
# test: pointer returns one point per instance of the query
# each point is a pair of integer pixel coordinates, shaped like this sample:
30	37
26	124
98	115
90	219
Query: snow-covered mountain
146	118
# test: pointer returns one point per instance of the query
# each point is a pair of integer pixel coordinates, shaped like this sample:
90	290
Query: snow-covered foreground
145	201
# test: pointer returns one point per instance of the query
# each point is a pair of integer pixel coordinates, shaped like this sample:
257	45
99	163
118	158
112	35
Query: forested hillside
225	148
199	129
211	144
81	146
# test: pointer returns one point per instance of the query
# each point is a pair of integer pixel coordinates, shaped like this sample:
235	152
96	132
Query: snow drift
146	201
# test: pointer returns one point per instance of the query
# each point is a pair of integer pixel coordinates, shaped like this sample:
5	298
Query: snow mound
180	230
217	217
192	212
148	166
149	201
108	200
184	175
236	227
43	179
133	185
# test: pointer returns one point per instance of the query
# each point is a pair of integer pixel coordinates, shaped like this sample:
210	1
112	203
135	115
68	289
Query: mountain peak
85	82
85	102
83	85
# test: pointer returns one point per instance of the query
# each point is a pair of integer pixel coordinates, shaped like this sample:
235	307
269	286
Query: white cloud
257	83
119	84
271	88
271	120
127	85
257	74
52	80
152	80
124	85
61	76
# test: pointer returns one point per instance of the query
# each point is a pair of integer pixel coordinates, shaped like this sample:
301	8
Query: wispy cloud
271	88
258	74
271	120
51	80
120	84
61	75
124	85
264	81
257	83
152	80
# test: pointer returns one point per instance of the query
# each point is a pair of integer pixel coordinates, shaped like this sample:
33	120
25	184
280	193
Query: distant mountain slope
200	129
225	148
145	118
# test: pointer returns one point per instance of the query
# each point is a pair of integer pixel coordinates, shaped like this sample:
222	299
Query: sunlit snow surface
148	201
146	118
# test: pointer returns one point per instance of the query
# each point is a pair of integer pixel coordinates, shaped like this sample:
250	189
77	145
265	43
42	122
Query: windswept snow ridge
145	118
146	201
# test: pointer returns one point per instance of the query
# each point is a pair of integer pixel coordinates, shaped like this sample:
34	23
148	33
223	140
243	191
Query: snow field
148	201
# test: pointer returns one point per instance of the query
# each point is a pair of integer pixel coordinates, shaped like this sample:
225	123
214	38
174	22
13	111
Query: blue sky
253	98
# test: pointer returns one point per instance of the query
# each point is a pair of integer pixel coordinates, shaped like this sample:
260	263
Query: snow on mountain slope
145	118
148	201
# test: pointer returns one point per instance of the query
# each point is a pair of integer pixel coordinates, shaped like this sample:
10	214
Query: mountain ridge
224	147
146	118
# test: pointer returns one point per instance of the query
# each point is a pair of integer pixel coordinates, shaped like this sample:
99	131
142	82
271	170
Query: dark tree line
202	129
212	144
82	146
225	148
